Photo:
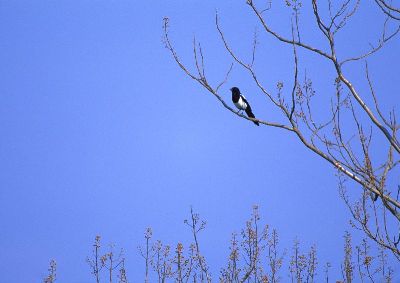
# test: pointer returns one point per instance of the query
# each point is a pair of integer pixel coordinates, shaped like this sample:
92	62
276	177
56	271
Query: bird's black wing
248	111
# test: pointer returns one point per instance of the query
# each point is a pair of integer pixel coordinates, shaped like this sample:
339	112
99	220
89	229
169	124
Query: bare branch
389	10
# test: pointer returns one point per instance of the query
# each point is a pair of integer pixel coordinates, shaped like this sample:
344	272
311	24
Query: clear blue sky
101	133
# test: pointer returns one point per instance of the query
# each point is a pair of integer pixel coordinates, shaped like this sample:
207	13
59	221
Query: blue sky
103	134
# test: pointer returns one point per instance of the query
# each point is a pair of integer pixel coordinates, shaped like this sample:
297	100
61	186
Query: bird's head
235	90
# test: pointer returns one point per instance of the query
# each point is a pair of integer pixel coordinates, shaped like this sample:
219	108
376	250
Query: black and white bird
242	104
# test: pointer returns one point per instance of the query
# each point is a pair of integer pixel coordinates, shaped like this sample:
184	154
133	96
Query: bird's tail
251	115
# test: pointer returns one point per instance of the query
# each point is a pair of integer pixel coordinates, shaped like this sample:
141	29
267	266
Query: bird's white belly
241	104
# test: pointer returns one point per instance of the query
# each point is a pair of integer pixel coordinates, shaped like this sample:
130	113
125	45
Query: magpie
242	104
374	196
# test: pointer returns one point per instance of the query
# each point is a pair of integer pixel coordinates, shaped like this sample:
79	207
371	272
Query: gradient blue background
101	133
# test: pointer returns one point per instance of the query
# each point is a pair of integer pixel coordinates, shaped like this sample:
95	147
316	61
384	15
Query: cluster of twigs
254	255
108	262
52	272
177	265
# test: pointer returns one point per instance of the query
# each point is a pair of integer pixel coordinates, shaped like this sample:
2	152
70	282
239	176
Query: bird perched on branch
242	104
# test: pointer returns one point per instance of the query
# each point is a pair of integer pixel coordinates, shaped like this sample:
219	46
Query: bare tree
181	267
145	253
196	225
347	265
111	262
95	263
253	243
108	261
122	278
353	152
254	256
52	276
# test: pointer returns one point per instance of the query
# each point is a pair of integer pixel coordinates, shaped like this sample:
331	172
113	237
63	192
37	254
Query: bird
374	196
241	103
